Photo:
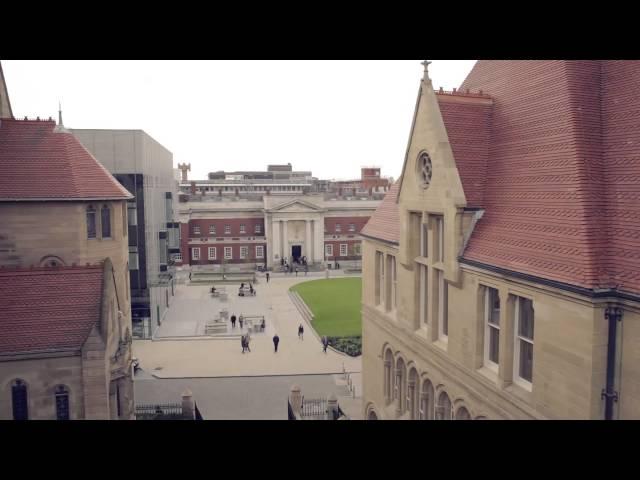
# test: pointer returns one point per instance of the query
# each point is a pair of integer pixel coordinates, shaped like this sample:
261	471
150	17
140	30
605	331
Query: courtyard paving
178	352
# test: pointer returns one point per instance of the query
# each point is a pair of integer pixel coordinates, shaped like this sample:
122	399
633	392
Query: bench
254	322
218	325
246	292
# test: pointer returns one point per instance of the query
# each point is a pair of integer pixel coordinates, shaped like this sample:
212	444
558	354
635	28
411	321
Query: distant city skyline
330	117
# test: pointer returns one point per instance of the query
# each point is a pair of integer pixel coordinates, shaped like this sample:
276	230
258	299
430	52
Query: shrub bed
352	346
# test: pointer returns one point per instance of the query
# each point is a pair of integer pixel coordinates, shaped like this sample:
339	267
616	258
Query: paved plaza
178	352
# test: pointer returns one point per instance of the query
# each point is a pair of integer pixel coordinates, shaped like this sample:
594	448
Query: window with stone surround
195	253
438	237
212	253
196	229
491	328
212	229
328	250
523	348
227	229
442	296
62	402
259	251
427	401
390	286
388	377
352	227
338	228
423	310
91	222
242	228
228	253
443	409
258	228
19	400
343	249
244	252
357	249
379	278
105	217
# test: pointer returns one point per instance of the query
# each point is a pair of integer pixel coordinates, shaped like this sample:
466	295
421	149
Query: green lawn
335	304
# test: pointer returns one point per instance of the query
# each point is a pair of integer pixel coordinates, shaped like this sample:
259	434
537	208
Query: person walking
301	332
276	341
243	343
241	320
233	321
267	277
325	343
189	276
246	342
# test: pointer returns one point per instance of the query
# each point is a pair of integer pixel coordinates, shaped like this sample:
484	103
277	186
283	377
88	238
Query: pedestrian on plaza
267	277
246	341
233	321
296	271
250	288
189	276
243	343
276	341
241	320
325	343
301	332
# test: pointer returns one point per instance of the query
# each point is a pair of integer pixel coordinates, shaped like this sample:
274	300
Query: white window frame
196	230
424	295
352	227
424	242
328	249
440	233
338	228
259	251
346	249
212	229
487	326
244	252
257	228
522	382
443	314
177	257
195	253
214	250
227	229
228	253
243	228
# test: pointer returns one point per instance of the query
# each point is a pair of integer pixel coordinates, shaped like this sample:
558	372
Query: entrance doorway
296	252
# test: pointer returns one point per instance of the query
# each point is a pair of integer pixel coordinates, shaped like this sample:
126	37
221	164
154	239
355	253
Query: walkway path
223	357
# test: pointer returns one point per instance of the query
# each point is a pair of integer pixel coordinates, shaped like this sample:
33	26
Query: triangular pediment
295	206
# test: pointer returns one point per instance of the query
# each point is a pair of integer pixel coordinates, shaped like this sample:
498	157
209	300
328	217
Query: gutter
613	315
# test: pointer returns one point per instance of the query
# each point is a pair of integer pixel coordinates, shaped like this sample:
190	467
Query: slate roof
45	309
40	163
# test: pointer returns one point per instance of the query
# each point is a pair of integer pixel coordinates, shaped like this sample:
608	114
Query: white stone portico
294	227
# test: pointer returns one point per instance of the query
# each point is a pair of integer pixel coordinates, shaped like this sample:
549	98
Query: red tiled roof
384	224
38	163
562	189
48	308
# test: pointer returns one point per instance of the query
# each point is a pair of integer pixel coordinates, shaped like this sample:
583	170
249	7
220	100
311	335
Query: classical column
268	242
275	236
308	241
318	230
285	241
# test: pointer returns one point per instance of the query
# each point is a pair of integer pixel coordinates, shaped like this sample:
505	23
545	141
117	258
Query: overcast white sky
330	117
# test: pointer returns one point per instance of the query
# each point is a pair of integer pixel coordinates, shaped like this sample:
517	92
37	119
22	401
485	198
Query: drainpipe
613	315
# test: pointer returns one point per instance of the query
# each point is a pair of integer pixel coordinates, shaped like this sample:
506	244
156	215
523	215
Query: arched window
426	401
463	414
400	385
19	400
91	222
388	376
105	216
51	261
413	388
62	403
443	410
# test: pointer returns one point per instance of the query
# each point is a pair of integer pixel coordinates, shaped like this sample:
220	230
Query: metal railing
159	411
